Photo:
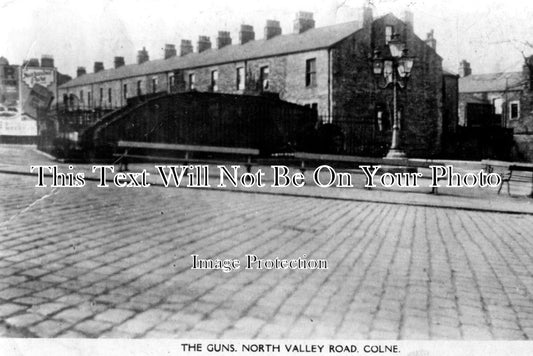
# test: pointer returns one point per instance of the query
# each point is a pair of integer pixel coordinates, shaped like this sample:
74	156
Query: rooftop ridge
182	62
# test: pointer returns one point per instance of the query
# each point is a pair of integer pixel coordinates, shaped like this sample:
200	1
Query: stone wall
356	93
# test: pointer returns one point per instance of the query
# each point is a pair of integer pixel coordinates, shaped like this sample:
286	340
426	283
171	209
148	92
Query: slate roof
313	39
491	82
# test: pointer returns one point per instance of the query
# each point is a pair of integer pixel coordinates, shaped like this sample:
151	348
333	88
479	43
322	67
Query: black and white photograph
291	177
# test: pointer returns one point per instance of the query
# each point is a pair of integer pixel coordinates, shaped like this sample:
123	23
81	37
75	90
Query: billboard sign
41	76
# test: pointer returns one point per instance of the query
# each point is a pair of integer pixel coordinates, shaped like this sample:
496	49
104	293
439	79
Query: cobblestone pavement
117	263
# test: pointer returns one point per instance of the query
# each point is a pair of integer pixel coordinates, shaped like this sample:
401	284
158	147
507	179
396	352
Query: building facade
503	100
327	69
27	92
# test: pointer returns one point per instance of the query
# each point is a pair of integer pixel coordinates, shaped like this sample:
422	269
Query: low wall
523	147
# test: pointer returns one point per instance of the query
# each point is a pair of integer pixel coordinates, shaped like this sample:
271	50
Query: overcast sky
491	34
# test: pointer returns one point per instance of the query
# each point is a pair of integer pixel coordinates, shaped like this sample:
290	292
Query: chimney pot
303	22
246	34
272	29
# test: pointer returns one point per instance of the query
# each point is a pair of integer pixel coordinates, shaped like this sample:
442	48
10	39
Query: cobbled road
95	262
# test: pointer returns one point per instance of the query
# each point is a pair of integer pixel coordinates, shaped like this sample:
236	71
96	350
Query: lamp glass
396	47
408	65
378	66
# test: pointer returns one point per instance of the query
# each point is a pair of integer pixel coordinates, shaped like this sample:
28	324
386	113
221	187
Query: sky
492	35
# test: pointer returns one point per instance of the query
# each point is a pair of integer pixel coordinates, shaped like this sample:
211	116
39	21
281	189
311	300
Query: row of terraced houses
325	68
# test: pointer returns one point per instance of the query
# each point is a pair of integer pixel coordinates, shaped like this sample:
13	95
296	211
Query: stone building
499	100
325	68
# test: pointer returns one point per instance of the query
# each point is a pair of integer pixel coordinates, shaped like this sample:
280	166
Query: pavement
116	263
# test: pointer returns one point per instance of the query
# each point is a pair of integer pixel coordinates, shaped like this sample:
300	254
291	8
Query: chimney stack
142	56
81	71
47	61
272	29
32	62
527	70
246	34
464	69
408	18
368	18
170	51
204	43
119	62
223	39
303	22
185	47
431	41
98	66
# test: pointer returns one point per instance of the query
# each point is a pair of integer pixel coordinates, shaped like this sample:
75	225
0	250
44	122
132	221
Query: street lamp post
396	69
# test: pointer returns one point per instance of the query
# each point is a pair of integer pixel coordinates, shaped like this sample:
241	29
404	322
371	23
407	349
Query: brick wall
356	92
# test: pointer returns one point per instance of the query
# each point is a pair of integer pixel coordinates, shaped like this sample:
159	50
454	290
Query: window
497	105
310	72
171	82
389	30
264	78
192	81
154	84
514	110
139	88
109	96
240	78
81	96
125	91
101	96
89	98
214	80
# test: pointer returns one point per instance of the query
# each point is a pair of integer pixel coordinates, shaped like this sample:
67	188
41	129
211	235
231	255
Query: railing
353	135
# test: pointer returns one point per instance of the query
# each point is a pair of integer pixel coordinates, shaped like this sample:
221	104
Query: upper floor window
214	80
514	110
263	78
125	91
310	72
192	81
389	30
101	98
240	78
154	84
139	88
89	98
109	96
81	95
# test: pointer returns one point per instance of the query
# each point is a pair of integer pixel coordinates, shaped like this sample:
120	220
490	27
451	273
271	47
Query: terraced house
501	101
325	68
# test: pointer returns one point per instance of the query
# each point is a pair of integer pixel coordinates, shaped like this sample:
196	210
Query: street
90	262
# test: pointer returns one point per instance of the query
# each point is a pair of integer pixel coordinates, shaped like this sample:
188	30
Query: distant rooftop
491	82
313	39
